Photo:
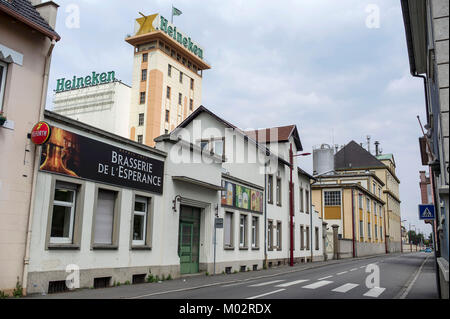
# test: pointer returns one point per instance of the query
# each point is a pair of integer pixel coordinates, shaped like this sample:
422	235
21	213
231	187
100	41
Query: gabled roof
283	135
354	156
25	12
389	157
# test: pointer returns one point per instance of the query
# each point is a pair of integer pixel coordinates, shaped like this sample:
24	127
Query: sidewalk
192	281
425	285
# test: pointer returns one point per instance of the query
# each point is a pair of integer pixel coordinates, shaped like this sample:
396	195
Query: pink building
27	38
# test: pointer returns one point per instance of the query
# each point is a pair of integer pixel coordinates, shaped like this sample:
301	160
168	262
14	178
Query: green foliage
169	277
3	295
126	282
18	291
207	273
150	278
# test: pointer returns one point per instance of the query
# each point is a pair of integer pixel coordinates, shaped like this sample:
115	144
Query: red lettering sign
40	133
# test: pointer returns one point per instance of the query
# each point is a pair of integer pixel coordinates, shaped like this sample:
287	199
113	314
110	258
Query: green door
188	240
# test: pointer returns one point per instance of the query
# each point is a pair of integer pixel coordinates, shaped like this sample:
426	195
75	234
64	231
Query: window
219	146
192	84
278	191
374	188
360	201
63	213
104	217
169	70
375	209
379	192
181	77
332	198
167	115
279	235
307	237
142	98
376	232
228	230
368	230
3	69
302	237
140	139
215	145
254	232
166	131
180	98
144	75
368	204
381	232
140	220
141	119
301	200
145	57
191	104
361	228
243	231
168	92
307	201
317	237
270	189
270	234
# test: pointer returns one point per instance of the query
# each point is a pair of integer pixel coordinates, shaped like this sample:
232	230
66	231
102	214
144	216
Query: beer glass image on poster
228	193
242	197
256	201
75	155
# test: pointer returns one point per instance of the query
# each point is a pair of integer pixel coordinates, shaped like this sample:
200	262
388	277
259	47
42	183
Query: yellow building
167	78
347	200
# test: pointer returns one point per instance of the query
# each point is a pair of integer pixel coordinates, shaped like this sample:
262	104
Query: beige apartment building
27	38
167	78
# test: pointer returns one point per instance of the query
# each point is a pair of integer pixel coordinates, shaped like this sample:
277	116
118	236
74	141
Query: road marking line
362	267
317	284
353	269
324	277
374	292
345	288
287	284
406	292
340	273
265	283
268	293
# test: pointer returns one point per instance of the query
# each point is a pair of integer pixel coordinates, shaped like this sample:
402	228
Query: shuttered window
104	217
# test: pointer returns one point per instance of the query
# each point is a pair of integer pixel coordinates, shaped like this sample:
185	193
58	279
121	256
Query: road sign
219	222
426	212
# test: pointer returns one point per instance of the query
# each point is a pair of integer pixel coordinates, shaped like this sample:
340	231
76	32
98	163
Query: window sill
141	247
63	246
228	248
255	248
104	247
243	248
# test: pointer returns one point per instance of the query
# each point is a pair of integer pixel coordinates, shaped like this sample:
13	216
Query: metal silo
323	159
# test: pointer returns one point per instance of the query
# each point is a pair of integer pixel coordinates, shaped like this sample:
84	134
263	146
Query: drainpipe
353	226
265	214
291	208
310	222
36	168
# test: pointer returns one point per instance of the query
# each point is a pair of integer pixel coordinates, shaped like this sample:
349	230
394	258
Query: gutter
35	169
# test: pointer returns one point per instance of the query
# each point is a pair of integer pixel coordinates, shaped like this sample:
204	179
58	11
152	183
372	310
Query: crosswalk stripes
374	292
291	283
345	288
266	283
318	284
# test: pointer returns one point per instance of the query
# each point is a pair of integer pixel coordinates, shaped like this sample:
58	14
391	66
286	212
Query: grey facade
427	34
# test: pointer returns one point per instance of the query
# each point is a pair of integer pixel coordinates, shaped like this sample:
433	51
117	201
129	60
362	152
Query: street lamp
291	203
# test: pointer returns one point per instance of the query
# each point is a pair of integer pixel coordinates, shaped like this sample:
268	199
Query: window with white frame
368	230
376	231
332	198
361	228
360	201
63	213
141	119
270	189
104	217
3	70
278	230
307	201
228	230
242	230
307	238
270	234
254	231
301	199
317	238
368	204
215	145
140	216
278	191
302	237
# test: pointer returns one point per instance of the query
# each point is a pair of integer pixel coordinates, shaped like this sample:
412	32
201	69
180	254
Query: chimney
368	143
376	148
48	10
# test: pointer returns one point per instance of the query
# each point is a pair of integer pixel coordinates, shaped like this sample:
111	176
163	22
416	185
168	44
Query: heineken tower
167	78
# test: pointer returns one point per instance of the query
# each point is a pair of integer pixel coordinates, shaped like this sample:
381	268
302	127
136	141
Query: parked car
428	250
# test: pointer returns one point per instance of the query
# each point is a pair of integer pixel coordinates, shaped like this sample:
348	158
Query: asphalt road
400	276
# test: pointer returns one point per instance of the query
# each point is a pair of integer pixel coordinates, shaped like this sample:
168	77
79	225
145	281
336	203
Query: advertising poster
242	197
74	155
257	201
228	193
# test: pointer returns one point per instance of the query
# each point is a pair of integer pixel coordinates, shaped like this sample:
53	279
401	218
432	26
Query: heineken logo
172	32
94	78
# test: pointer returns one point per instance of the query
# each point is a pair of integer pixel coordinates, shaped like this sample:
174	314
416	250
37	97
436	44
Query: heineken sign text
179	37
80	82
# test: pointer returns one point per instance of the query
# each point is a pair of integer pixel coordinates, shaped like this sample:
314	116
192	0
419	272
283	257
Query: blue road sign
426	212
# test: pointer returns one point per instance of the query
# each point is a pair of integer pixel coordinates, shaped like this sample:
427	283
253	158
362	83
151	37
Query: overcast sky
315	64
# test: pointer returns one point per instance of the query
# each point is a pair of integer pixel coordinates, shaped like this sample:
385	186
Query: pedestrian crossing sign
426	212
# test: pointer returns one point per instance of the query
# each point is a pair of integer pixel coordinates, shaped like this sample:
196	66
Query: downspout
265	215
35	168
310	222
353	226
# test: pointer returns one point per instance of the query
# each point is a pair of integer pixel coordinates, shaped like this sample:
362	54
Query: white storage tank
323	159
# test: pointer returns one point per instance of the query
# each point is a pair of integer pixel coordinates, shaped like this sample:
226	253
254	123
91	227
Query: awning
197	182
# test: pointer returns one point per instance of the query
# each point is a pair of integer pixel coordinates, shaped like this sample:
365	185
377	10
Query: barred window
332	198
